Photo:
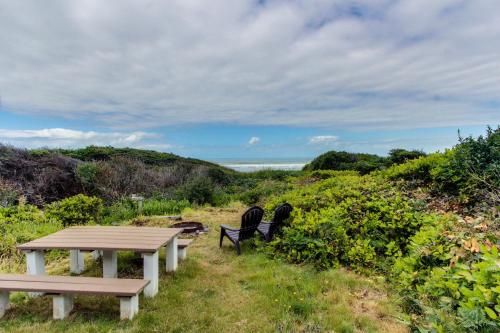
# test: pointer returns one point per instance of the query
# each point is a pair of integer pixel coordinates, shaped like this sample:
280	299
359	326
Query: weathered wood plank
72	285
140	239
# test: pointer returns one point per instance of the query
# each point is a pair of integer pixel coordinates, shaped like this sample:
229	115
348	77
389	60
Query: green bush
470	171
398	156
334	216
20	224
450	277
342	160
199	190
79	209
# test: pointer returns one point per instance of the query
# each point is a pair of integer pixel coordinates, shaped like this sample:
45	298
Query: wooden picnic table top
89	238
71	284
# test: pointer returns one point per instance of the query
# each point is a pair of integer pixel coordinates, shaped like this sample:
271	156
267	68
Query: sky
248	79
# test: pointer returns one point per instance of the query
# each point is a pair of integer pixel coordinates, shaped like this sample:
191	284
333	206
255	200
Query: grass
216	291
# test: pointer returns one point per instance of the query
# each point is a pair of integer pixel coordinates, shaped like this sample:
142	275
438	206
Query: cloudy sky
248	78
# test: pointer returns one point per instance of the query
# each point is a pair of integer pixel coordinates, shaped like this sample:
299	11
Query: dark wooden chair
268	229
249	222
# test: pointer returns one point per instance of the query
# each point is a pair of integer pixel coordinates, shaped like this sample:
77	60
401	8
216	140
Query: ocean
249	165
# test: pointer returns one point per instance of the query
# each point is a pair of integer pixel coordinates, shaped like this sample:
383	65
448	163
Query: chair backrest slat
249	222
282	212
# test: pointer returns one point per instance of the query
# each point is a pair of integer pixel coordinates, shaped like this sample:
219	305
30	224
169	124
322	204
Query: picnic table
107	240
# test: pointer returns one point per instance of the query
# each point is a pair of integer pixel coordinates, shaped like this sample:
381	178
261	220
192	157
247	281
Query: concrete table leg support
4	302
35	262
129	307
96	254
182	253
76	261
62	306
171	254
151	273
109	264
35	265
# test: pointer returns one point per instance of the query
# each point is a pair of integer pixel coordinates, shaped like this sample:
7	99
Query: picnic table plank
140	239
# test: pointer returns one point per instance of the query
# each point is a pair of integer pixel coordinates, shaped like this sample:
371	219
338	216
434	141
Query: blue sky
248	79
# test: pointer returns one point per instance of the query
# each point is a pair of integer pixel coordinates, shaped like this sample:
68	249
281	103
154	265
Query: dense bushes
363	163
79	209
446	268
357	221
451	276
20	224
41	176
341	160
470	171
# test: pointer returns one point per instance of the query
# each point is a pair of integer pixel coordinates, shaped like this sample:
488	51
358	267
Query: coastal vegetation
416	234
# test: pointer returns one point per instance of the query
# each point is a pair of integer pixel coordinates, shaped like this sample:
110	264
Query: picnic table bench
62	288
108	239
182	245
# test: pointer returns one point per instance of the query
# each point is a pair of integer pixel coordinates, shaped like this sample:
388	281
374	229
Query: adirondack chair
281	213
249	222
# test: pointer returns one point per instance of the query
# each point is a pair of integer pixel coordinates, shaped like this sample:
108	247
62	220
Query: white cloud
61	137
323	139
332	63
253	140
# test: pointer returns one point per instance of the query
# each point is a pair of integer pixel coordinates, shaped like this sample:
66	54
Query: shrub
199	190
450	277
9	193
398	156
469	171
42	176
79	209
359	221
342	160
20	224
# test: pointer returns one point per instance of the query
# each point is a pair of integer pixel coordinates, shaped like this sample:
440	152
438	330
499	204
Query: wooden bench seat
182	245
64	287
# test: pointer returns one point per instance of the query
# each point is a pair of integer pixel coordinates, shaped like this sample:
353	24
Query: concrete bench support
62	306
109	264
151	273
76	261
171	255
4	302
182	245
182	253
129	307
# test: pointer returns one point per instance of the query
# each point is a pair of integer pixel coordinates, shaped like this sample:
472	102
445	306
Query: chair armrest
223	226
